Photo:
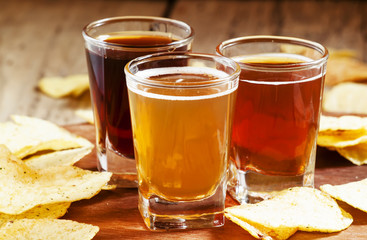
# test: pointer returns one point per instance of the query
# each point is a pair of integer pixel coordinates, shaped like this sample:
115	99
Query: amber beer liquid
181	113
275	125
108	87
181	139
276	117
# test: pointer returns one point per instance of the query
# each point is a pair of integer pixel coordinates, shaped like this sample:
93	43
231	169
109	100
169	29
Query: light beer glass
277	114
181	111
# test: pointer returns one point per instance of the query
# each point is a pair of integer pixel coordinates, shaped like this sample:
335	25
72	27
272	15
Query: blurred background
42	38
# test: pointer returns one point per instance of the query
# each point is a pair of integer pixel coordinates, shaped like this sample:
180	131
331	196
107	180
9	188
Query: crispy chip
45	229
338	53
109	187
342	123
51	211
344	69
86	114
353	193
357	154
347	135
24	188
27	135
58	87
338	132
59	158
346	98
298	208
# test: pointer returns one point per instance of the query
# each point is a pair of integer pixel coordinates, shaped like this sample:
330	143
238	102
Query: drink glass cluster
186	127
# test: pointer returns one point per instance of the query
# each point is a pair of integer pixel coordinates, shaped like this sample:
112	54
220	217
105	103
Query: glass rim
277	39
181	55
105	21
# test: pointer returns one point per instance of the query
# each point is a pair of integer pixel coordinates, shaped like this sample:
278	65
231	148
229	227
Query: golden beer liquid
181	142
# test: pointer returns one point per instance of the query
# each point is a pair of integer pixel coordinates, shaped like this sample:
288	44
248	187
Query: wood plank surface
117	215
43	37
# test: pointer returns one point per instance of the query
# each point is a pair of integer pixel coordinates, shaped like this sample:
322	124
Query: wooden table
117	215
43	37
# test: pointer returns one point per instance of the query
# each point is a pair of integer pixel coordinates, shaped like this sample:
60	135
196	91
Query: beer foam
257	58
182	70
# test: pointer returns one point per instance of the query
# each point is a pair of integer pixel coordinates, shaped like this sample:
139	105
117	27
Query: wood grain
117	215
43	37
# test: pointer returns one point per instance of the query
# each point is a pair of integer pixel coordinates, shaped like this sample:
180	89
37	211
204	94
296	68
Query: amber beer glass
181	110
277	114
110	43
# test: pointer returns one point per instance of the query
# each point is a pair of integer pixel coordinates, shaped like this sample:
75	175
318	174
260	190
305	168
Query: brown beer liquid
109	91
276	118
182	139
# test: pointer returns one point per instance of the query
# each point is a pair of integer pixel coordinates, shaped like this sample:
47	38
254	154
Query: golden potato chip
86	114
59	158
346	98
109	187
343	123
298	208
338	132
338	53
27	135
340	141
357	154
343	69
47	229
51	211
58	87
260	232
23	188
353	193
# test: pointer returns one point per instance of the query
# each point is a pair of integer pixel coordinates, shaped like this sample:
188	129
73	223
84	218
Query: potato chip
51	211
338	132
27	135
58	87
338	53
353	193
86	114
298	208
59	158
24	188
109	187
348	98
343	123
344	69
46	229
357	154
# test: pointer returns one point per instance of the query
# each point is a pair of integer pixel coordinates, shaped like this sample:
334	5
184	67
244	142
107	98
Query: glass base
160	214
123	168
252	187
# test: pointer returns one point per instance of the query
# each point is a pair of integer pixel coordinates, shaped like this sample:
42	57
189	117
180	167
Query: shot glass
181	111
110	43
277	114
